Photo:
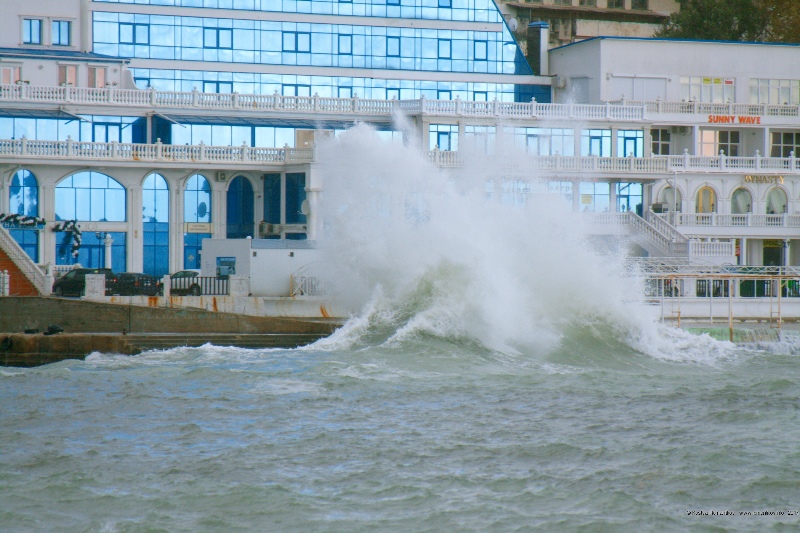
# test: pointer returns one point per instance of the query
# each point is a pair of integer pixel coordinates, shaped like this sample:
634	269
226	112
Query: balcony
198	103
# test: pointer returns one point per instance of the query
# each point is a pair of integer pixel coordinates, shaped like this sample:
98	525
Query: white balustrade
625	110
747	219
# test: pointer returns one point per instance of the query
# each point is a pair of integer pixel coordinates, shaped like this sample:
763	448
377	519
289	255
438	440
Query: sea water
498	372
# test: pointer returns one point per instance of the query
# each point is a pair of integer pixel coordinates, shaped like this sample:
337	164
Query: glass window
444	48
594	196
784	143
616	4
445	3
155	218
91	197
629	197
596	142
97	77
218	38
197	200
393	46
24	194
294	41
134	33
346	44
660	140
61	32
272	198
92	251
481	50
32	31
630	143
295	195
591	3
240	208
443	136
639	4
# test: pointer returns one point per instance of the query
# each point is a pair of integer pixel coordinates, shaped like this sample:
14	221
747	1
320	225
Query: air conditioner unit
680	130
222	176
268	230
560	82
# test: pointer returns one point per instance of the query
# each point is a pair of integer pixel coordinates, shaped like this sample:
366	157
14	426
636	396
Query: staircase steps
19	284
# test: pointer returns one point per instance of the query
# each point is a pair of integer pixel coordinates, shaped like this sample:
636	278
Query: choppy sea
423	433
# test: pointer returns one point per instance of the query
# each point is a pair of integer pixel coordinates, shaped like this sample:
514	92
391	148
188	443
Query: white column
107	242
176	225
135	240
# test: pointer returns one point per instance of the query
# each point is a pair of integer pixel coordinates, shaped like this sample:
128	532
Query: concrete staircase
27	279
20	285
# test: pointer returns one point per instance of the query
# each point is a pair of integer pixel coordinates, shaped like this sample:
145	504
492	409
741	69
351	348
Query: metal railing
309	280
24	263
200	286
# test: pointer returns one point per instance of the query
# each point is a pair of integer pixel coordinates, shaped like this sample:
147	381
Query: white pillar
107	242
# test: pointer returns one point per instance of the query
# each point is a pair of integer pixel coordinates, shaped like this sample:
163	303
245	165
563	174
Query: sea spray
482	252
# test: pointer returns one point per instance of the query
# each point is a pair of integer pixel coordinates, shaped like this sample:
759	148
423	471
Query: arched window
241	211
741	202
196	210
90	197
24	200
776	202
671	198
706	201
155	214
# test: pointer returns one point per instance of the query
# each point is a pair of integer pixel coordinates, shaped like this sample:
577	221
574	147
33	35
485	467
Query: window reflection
90	196
155	214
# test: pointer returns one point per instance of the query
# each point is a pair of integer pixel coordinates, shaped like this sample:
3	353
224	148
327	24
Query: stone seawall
127	329
18	314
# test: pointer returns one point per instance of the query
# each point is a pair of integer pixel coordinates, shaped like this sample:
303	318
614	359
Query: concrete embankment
126	329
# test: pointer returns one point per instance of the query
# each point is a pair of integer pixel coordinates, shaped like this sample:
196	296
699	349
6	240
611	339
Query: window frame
27	31
60	23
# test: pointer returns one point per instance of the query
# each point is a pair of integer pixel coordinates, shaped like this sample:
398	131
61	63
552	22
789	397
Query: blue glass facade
155	219
460	10
305	44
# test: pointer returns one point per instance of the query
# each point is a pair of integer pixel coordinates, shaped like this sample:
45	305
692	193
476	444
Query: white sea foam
475	254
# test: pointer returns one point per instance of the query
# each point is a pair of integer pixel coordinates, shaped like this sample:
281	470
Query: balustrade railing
115	151
726	220
625	110
29	269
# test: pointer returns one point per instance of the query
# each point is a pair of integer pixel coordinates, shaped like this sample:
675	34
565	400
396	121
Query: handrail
665	243
665	227
24	263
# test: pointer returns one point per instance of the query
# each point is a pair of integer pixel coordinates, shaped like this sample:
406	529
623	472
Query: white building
203	120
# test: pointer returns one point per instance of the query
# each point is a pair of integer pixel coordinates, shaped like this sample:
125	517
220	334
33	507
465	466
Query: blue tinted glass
272	198
295	194
24	194
197	200
90	196
241	218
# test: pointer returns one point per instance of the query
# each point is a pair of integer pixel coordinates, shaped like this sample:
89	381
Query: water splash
477	254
